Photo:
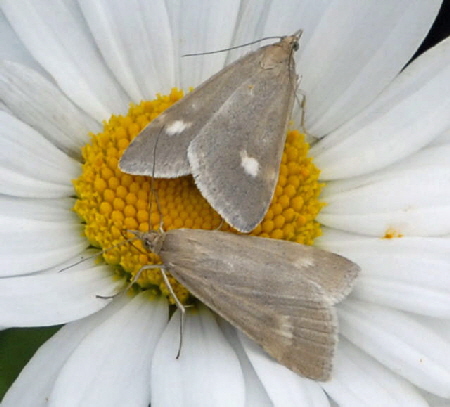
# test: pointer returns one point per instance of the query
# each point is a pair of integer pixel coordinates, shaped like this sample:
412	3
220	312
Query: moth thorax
278	54
153	240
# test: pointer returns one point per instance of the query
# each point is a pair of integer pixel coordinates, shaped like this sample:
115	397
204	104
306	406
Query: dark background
440	29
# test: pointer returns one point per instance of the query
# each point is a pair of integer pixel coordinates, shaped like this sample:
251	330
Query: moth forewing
274	302
240	183
229	133
335	274
176	127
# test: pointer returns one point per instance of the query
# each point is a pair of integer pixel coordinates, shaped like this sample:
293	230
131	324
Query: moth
280	294
229	134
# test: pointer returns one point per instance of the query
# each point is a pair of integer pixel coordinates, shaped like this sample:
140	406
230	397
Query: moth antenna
297	33
235	47
128	240
153	189
162	268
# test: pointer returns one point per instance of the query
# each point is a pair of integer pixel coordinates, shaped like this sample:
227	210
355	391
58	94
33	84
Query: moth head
152	240
294	40
284	49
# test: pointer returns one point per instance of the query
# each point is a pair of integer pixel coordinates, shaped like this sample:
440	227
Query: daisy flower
374	187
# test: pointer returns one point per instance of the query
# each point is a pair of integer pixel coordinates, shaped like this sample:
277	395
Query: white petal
201	26
356	49
57	298
249	29
359	380
46	210
39	103
255	394
111	366
275	19
443	138
135	40
30	246
4	108
288	16
59	40
411	274
12	49
30	165
411	197
435	156
442	328
405	117
434	401
285	388
37	234
206	363
439	325
45	365
399	342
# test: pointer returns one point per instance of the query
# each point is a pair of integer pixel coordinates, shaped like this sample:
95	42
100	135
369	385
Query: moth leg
179	305
302	103
303	106
220	225
133	239
133	280
127	240
92	256
128	286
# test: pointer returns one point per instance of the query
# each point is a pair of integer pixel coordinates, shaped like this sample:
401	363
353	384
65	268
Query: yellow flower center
110	201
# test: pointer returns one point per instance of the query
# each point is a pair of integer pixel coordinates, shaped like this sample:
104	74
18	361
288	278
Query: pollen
109	202
392	233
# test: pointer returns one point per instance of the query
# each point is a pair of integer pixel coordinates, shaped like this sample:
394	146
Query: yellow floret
109	201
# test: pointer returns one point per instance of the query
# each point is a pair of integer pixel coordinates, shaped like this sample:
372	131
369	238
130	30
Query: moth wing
273	303
236	156
334	273
174	129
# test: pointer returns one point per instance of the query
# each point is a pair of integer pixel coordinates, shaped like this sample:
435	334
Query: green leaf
17	346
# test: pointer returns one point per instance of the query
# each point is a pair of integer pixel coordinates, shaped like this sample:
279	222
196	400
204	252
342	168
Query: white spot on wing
177	127
304	261
285	327
249	164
